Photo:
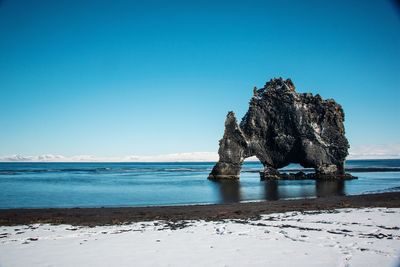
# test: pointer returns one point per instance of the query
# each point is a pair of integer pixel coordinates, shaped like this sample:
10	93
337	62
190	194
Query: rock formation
283	127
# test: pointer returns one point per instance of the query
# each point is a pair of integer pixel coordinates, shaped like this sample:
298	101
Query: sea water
44	185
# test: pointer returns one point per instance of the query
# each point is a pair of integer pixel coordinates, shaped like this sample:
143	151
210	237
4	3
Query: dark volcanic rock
283	127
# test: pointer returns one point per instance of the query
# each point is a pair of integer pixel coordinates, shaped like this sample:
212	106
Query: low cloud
175	157
181	157
389	151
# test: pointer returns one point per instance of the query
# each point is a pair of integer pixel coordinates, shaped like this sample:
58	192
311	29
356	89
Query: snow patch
344	237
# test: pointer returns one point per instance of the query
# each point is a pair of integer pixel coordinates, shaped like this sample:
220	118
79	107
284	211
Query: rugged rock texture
283	127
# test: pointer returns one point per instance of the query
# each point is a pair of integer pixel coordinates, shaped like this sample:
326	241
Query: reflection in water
330	188
274	190
271	190
229	191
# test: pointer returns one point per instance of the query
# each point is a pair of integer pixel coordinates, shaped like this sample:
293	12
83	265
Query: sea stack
281	127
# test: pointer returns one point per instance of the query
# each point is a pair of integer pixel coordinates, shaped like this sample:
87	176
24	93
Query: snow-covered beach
341	237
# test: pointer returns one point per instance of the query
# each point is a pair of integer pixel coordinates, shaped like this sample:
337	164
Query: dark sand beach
122	215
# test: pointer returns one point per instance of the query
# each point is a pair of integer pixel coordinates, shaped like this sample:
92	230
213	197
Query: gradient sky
115	78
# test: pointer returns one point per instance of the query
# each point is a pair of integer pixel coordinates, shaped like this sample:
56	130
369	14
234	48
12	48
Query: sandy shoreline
123	215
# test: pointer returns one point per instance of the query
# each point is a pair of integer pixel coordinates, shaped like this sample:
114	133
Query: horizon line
361	152
143	162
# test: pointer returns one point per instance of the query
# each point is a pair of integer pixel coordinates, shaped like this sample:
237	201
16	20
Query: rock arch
283	127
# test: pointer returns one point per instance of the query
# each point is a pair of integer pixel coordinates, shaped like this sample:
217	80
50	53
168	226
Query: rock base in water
304	176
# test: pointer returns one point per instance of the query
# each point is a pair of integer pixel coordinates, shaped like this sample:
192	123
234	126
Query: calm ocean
33	185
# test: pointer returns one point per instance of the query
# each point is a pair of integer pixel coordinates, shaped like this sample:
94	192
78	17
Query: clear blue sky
116	78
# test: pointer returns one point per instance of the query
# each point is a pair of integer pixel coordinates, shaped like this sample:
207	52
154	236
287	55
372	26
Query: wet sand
122	215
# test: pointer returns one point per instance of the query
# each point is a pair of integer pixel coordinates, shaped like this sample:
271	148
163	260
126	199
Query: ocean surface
43	185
